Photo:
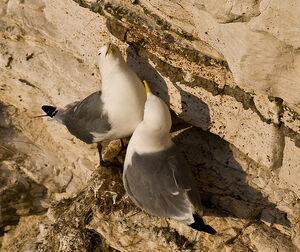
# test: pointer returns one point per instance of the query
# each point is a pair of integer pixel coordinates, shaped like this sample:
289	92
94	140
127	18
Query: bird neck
110	66
147	141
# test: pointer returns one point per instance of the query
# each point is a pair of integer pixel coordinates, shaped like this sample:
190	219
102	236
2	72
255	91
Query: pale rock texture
290	165
259	60
228	69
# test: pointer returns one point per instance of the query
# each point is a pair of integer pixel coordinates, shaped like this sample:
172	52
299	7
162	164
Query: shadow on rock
193	109
145	71
159	87
19	194
222	180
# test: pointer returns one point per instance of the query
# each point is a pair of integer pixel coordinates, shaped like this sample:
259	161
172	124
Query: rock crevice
227	69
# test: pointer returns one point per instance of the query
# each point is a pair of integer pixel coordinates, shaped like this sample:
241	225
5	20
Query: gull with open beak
112	113
156	175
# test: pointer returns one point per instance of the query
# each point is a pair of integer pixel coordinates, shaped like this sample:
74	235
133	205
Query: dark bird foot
123	148
122	144
201	226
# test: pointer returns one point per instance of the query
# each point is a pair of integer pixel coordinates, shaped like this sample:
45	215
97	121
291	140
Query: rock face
229	71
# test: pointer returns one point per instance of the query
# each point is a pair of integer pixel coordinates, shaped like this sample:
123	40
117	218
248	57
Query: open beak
147	87
109	49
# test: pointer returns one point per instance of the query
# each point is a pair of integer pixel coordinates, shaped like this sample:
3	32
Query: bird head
108	56
157	116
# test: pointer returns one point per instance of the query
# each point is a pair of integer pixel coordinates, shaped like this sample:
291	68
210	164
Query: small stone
7	228
260	182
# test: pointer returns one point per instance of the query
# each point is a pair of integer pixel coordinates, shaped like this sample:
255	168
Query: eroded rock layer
228	70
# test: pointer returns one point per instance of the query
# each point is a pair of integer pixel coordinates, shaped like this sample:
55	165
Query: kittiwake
156	176
112	113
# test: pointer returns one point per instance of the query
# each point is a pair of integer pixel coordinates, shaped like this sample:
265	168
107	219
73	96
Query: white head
157	117
109	55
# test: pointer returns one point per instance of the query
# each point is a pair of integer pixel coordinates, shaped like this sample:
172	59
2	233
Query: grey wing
153	183
184	178
82	118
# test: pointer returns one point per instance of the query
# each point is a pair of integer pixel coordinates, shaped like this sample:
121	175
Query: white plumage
123	94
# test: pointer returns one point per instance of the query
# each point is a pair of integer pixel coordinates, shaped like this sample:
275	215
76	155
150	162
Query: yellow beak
109	49
147	87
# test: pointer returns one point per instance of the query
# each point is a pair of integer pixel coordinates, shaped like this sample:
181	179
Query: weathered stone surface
218	64
259	61
25	236
291	120
289	171
279	19
232	11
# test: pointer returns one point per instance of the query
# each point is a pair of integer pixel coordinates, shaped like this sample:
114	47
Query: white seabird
156	175
112	113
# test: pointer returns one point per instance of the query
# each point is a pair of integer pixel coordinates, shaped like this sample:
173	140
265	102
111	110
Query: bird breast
124	99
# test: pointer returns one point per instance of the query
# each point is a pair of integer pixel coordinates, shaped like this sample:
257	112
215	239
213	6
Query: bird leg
122	144
99	147
123	147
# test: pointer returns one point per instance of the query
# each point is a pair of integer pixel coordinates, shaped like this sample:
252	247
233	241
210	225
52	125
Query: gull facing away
112	113
156	176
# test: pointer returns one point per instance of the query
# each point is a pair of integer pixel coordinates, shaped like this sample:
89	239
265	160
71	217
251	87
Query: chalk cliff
230	72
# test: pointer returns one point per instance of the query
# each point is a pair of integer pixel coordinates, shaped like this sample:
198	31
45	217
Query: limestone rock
25	236
291	165
260	61
229	71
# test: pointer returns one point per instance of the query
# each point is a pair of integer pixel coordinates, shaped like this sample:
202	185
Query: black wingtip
49	110
201	226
